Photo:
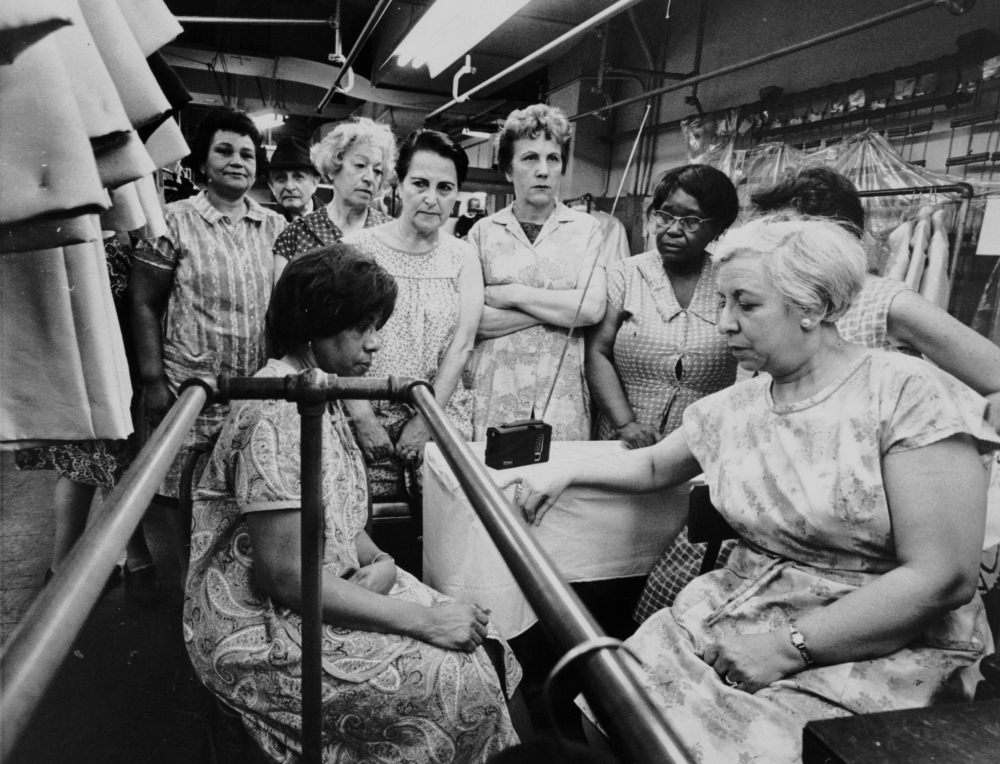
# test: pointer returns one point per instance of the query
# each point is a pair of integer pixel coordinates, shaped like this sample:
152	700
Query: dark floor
127	692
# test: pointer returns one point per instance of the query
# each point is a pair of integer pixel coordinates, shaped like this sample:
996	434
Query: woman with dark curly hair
407	672
199	292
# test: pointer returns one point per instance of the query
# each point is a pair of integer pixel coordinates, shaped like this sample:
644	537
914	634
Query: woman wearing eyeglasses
658	349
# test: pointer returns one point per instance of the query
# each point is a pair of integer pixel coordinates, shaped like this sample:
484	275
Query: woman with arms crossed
537	255
851	591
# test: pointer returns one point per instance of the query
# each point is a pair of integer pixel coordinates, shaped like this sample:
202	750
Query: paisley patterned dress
802	484
512	374
387	697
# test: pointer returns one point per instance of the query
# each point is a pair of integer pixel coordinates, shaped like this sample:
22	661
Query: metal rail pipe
611	683
377	12
31	657
330	22
575	32
906	10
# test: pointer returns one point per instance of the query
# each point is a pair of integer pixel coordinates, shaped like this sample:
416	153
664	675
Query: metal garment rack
30	659
964	190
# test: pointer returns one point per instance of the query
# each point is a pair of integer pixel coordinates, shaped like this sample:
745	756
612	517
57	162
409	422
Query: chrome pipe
575	32
611	682
906	10
232	20
33	654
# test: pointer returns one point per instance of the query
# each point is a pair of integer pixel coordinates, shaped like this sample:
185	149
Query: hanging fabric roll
47	168
25	22
151	22
56	304
126	212
143	100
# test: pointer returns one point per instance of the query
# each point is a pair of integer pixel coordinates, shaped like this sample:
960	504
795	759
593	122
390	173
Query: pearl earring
806	323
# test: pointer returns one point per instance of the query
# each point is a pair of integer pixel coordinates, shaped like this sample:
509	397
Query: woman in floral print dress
408	674
851	591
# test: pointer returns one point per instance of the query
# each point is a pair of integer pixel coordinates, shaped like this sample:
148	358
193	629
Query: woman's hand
374	441
413	438
754	661
455	626
538	489
378	577
503	296
635	435
157	400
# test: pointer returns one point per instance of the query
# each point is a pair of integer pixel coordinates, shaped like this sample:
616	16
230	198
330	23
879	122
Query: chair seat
391	510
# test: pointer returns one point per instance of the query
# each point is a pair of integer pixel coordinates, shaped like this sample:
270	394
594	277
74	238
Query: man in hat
293	179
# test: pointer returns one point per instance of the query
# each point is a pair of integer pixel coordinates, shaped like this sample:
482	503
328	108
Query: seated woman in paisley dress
856	479
409	675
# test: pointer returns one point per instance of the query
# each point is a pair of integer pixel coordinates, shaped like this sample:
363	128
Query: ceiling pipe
377	13
640	35
640	72
575	32
330	22
954	7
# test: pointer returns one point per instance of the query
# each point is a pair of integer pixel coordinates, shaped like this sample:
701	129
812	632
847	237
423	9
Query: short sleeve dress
214	320
867	320
802	485
415	337
386	697
512	374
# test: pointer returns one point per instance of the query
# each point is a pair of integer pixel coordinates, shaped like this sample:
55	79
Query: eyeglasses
688	224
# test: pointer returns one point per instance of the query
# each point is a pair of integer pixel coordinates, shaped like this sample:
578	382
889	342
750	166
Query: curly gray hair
813	262
537	119
328	155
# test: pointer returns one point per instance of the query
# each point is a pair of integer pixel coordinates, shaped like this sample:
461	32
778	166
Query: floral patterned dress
802	484
415	337
666	357
512	374
386	697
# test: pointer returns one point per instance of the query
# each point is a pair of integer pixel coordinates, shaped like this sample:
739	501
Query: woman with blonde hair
856	480
356	157
537	256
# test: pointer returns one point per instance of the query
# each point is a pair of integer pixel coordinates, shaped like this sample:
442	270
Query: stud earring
806	323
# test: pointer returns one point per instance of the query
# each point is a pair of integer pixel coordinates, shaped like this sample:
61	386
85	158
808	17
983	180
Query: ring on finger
517	489
726	678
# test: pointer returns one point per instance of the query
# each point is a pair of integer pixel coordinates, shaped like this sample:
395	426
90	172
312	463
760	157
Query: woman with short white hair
856	480
356	157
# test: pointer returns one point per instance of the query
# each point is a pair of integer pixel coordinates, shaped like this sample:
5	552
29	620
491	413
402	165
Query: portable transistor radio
517	444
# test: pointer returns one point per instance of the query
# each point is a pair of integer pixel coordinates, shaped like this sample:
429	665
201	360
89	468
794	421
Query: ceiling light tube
451	28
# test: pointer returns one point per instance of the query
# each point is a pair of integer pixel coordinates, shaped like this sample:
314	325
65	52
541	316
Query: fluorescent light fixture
469	137
451	28
268	119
